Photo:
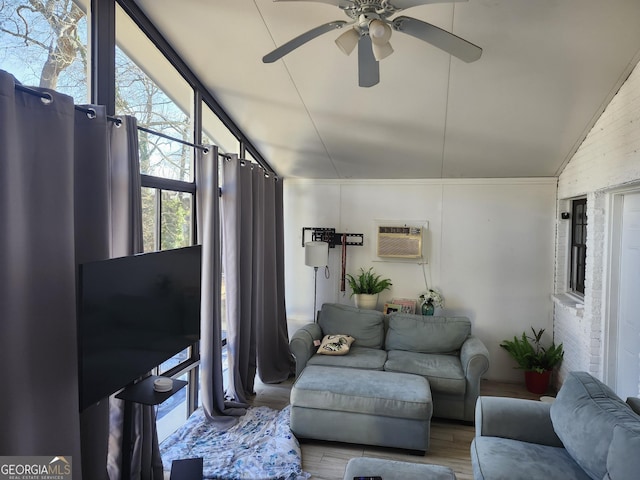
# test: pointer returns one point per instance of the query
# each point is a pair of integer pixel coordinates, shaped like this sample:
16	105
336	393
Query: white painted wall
608	160
490	249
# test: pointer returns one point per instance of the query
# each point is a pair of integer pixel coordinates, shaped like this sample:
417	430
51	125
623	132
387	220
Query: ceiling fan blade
291	45
450	43
338	3
368	66
404	4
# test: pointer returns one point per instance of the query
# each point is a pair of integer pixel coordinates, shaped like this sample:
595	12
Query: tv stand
142	393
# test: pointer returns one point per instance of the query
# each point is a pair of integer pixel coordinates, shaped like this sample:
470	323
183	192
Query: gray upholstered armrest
517	419
302	346
474	357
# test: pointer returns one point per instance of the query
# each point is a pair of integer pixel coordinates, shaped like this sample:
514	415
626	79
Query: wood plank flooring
450	441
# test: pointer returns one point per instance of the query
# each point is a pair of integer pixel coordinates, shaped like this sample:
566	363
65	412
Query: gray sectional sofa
586	433
440	349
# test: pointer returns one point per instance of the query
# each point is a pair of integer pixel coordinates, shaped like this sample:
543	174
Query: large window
578	245
44	43
215	133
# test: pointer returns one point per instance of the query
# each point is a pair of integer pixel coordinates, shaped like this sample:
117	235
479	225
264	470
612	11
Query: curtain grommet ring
46	98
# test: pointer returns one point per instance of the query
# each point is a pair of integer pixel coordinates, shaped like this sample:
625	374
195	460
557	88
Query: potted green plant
537	361
366	286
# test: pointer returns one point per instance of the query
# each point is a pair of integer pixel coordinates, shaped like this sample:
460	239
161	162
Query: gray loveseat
441	349
586	433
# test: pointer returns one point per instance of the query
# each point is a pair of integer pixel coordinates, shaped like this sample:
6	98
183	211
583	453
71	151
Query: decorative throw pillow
335	344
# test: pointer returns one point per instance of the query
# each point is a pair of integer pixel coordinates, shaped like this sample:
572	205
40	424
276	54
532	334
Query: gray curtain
275	362
68	196
108	225
257	336
38	359
126	239
92	238
208	226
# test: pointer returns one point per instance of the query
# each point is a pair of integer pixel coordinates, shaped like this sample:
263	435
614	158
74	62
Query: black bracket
329	235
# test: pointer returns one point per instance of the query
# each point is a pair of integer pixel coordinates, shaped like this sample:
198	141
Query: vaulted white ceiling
548	69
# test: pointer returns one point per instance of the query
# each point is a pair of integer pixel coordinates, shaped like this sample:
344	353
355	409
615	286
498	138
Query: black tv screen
134	313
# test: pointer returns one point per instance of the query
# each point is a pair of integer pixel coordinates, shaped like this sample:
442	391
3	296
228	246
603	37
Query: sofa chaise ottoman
395	470
586	433
368	407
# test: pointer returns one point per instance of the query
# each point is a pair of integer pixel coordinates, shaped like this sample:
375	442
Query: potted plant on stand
429	300
537	361
366	286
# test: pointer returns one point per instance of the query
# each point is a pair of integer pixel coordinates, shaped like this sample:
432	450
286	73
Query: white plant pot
365	300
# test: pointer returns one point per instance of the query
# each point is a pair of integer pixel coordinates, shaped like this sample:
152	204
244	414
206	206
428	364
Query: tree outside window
44	43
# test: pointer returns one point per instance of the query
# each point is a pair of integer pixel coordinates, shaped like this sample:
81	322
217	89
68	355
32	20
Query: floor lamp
316	254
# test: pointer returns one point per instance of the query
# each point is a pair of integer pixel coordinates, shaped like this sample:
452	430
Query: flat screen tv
134	313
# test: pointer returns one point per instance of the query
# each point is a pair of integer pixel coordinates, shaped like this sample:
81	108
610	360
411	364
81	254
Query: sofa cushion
623	459
335	345
366	326
424	334
359	357
503	458
584	415
444	372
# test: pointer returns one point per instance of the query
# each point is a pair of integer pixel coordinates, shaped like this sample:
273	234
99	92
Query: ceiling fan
371	32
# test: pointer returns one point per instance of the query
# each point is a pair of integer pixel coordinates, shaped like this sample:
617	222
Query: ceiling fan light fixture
348	40
381	51
380	34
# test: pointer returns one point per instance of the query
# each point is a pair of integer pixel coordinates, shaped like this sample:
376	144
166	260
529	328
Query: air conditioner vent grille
399	242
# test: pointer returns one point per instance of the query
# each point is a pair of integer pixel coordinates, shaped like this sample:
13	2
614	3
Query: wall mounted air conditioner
399	241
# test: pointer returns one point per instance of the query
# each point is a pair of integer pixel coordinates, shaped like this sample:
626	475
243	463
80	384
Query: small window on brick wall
578	245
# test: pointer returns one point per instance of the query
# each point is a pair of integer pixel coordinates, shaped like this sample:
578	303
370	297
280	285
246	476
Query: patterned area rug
259	447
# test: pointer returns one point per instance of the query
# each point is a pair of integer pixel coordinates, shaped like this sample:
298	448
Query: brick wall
607	160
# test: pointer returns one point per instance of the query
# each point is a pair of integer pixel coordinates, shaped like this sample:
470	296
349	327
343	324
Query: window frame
190	366
103	92
170	185
578	247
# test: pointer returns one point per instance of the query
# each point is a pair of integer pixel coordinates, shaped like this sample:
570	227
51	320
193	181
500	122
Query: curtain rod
92	113
173	139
